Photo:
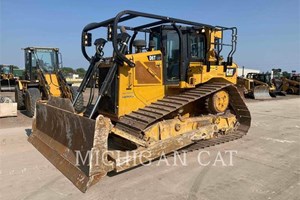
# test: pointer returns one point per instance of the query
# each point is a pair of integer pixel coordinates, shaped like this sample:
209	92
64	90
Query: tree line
68	70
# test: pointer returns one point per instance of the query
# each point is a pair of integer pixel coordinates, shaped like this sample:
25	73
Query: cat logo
154	57
230	72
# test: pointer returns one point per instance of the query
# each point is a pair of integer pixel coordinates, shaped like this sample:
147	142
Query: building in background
74	79
242	71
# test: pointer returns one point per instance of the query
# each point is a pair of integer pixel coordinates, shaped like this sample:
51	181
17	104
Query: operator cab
6	69
167	40
45	59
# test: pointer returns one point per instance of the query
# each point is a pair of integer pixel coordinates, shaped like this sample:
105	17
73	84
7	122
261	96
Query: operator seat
139	45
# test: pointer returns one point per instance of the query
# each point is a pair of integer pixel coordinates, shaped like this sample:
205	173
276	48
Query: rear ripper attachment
133	121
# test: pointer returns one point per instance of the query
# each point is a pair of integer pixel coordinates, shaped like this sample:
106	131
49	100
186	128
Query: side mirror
87	39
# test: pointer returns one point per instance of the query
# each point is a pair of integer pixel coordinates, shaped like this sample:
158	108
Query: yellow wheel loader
42	79
7	78
165	87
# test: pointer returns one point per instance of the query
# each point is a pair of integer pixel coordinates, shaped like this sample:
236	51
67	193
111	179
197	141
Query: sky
268	30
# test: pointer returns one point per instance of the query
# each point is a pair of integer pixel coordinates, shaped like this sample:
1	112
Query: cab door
171	53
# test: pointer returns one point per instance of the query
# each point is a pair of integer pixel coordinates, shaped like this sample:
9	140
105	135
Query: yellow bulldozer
288	83
258	86
165	87
42	78
291	85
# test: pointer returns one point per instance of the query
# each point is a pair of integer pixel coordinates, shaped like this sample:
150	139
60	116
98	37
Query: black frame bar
129	14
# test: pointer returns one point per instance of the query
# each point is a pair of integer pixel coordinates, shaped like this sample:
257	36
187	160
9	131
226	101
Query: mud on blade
59	134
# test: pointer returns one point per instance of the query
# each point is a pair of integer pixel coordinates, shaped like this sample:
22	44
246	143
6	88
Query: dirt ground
265	165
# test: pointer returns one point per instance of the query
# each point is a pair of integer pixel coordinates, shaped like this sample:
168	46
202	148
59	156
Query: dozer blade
261	92
68	141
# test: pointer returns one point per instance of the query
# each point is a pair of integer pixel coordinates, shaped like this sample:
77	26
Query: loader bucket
70	142
261	92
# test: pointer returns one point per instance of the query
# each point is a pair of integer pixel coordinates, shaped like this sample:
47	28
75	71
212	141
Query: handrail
129	14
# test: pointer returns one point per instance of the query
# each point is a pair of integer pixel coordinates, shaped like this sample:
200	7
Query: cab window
172	56
197	46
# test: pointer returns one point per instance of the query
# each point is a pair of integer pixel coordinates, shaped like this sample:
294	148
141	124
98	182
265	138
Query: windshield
5	70
264	78
46	59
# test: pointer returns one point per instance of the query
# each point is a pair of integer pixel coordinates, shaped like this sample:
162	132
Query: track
137	121
244	118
